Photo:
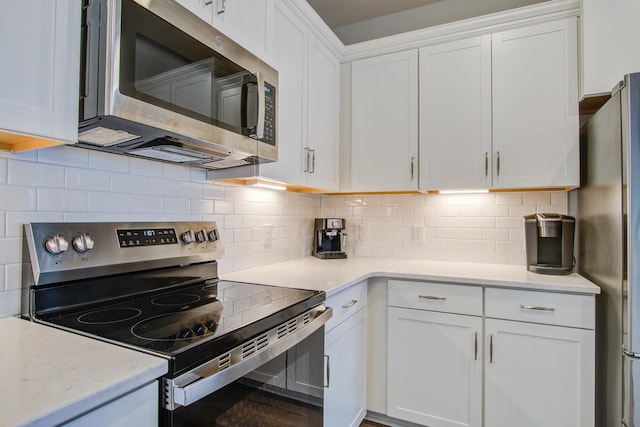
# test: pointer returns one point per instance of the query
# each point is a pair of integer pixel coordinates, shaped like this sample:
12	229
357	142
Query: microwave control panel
269	114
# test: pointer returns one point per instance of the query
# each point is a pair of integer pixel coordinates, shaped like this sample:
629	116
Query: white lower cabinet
435	368
138	408
345	395
535	351
538	375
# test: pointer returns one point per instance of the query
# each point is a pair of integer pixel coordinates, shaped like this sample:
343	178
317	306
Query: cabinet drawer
436	297
577	311
346	303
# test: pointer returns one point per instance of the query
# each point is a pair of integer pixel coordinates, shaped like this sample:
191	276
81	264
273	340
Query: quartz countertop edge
51	376
335	275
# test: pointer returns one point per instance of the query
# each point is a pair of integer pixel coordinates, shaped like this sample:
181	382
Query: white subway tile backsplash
126	183
145	204
64	155
101	201
175	205
17	198
211	191
11	250
536	198
508	198
201	206
176	172
108	162
52	199
522	210
13	277
145	167
162	187
85	217
45	175
3	170
190	189
15	220
86	179
9	303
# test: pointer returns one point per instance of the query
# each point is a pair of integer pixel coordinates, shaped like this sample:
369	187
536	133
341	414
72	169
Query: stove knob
200	330
188	236
83	242
201	236
185	333
213	235
212	325
56	244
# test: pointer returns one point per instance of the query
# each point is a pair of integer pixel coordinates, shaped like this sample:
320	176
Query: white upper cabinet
535	106
40	45
245	21
455	115
610	34
289	58
323	99
308	105
384	122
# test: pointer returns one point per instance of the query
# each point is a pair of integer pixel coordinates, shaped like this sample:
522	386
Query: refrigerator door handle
630	353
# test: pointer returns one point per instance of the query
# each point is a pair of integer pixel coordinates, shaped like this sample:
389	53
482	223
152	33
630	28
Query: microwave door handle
247	80
261	106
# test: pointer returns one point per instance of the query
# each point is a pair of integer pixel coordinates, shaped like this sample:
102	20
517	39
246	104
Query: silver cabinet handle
486	164
327	359
475	347
313	161
413	175
490	348
208	2
350	303
537	308
222	7
306	159
498	164
432	297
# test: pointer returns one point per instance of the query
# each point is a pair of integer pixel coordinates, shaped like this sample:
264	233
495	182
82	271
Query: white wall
484	228
68	184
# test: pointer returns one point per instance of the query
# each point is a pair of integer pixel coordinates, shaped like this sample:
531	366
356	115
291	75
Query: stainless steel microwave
160	83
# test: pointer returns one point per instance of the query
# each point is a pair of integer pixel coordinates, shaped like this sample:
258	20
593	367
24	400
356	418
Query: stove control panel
76	250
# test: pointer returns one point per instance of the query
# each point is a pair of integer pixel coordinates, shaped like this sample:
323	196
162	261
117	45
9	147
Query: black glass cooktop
192	322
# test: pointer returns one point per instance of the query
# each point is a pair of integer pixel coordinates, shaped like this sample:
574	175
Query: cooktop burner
109	315
173	321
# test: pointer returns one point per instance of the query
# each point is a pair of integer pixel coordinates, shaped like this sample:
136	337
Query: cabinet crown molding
500	21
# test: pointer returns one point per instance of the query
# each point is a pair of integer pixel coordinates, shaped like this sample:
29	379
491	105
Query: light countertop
334	275
50	376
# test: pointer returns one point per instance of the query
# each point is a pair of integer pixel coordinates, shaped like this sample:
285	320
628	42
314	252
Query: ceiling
355	21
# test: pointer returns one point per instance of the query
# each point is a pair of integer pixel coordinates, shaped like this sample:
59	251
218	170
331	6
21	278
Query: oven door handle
198	383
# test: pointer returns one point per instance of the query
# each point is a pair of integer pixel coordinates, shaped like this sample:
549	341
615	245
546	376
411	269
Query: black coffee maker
549	243
329	238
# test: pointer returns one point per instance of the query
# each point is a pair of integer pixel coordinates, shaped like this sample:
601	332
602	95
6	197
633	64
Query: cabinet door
40	44
538	375
535	106
289	56
323	98
245	21
202	8
455	115
610	37
345	395
435	368
384	123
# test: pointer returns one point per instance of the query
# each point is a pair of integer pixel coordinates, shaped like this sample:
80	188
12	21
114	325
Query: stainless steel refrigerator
607	210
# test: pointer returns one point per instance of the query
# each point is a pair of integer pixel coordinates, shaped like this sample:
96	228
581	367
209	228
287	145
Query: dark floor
367	423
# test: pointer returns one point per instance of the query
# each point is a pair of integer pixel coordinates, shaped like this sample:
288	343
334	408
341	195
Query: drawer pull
432	297
475	347
537	308
350	304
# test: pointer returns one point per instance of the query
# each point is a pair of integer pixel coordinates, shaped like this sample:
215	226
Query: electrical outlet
418	233
268	235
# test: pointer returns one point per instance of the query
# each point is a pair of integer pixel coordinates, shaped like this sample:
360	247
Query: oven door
282	385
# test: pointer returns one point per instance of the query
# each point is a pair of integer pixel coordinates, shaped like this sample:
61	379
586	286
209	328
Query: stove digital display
146	237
